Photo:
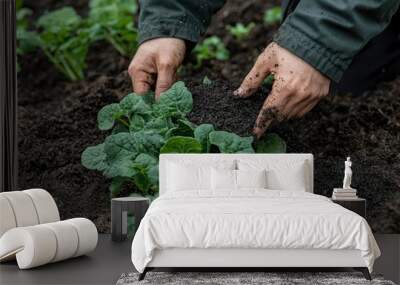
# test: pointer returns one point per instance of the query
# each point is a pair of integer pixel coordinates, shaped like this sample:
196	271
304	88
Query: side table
120	209
357	205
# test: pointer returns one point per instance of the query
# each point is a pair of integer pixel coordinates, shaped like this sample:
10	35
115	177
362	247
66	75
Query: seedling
64	41
206	81
141	129
210	48
27	41
240	31
273	16
113	21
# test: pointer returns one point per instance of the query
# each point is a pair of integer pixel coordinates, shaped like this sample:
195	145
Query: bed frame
242	259
246	259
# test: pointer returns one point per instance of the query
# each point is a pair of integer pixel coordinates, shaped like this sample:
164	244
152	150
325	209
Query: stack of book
344	194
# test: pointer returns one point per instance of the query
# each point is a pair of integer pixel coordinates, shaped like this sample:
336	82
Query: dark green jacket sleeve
185	19
329	33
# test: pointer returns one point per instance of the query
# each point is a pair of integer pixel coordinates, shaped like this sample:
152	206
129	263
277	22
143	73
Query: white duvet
253	218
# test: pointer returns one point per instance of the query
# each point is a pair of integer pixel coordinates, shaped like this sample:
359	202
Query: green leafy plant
27	41
240	31
112	20
210	48
141	129
272	143
273	16
65	41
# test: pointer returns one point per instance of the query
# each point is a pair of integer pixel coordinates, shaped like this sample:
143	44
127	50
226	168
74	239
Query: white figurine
348	173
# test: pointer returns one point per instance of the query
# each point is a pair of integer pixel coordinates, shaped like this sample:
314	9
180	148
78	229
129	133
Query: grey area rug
236	278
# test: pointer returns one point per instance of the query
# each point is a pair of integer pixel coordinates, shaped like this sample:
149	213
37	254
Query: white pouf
67	237
23	208
32	246
87	233
37	245
7	219
32	233
45	206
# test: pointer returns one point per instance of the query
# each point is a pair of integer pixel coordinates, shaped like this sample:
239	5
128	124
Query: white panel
189	257
207	159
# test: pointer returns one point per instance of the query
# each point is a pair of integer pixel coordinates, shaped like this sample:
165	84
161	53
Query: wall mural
62	88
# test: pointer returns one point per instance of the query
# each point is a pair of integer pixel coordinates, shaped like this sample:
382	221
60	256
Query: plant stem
122	121
75	66
57	64
117	46
69	72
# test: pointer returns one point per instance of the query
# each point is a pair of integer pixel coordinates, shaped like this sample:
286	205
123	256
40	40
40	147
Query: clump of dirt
215	104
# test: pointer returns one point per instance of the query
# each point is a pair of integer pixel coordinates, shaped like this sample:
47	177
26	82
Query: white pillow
251	178
223	179
292	178
227	179
281	175
183	177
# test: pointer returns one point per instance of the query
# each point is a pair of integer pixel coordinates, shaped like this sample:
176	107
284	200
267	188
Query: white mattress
252	219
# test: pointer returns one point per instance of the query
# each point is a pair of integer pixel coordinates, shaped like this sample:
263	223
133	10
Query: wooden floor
110	260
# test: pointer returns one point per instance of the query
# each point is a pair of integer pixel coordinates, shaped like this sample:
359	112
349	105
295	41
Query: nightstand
358	205
121	209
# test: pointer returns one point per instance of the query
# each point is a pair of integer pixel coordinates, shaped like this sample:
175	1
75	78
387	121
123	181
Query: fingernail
257	132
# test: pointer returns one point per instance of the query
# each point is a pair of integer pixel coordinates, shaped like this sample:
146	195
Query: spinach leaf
231	143
116	185
94	158
107	116
141	129
201	133
134	104
181	144
271	143
121	150
177	101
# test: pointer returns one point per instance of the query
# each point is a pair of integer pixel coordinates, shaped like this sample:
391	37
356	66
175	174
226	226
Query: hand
296	90
155	63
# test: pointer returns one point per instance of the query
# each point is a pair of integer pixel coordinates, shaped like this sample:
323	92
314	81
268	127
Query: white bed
249	227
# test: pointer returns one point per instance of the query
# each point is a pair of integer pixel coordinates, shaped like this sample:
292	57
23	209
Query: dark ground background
57	121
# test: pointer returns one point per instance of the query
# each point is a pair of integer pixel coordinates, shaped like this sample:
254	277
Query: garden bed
57	121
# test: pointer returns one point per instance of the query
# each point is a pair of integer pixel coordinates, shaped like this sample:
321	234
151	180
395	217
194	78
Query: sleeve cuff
166	28
321	58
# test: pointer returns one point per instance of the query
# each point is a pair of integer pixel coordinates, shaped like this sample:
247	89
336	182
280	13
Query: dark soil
366	127
57	121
